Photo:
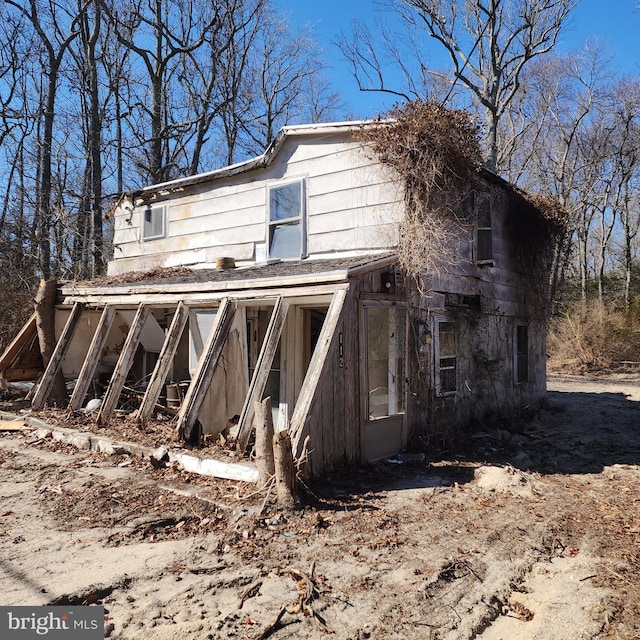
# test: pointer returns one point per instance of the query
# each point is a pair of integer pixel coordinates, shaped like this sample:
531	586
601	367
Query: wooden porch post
46	384
93	357
123	365
206	366
261	373
311	379
165	360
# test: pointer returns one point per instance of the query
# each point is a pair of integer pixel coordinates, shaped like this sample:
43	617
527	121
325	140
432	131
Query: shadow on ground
574	433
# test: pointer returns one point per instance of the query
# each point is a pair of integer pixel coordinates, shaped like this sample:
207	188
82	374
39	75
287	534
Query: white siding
352	204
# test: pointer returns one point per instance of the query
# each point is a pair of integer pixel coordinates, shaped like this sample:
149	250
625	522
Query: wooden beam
165	361
123	365
93	358
46	384
22	375
18	343
311	379
200	298
261	373
206	366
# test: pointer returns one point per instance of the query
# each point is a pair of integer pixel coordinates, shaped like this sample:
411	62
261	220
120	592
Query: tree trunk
263	419
45	309
285	469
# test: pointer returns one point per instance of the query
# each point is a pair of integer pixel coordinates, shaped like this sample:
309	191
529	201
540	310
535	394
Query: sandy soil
533	532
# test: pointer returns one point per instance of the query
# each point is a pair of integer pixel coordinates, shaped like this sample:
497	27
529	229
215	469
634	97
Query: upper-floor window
446	357
153	222
287	220
484	235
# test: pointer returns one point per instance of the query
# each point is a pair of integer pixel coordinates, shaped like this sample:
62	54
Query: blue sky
615	23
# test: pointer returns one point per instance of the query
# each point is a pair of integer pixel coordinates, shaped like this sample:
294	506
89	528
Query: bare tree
87	251
488	43
160	33
285	81
215	76
56	26
549	144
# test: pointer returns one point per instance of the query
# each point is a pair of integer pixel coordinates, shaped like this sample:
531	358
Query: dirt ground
532	532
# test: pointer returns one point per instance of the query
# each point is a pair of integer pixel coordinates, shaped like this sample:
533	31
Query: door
385	328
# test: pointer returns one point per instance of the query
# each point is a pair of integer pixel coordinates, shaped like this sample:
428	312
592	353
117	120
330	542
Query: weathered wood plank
308	285
328	412
339	383
165	360
18	343
352	391
206	366
46	384
261	373
93	357
308	390
21	374
123	365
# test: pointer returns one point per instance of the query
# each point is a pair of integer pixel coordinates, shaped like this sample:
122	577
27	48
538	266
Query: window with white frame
484	233
386	329
153	222
445	357
286	233
521	355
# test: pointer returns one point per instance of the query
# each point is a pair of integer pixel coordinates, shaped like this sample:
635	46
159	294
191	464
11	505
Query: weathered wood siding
486	302
334	417
352	204
336	420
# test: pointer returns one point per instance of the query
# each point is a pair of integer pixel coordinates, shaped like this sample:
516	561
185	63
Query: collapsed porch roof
172	286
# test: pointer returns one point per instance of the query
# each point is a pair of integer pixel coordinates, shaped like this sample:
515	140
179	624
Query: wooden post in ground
263	420
285	469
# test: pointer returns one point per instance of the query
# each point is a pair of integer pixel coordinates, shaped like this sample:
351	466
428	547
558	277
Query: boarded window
522	353
286	220
484	236
153	223
446	358
386	340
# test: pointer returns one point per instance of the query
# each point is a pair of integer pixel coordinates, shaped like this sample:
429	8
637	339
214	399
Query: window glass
286	241
286	221
484	239
153	222
446	358
200	323
285	202
386	332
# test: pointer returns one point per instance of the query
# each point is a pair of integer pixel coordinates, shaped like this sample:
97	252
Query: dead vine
436	151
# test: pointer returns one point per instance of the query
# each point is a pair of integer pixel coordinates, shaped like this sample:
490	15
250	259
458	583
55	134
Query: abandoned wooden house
279	277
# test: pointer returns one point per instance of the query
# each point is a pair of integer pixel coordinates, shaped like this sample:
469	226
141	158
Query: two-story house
278	276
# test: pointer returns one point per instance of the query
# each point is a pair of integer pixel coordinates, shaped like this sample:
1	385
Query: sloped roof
283	274
261	161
